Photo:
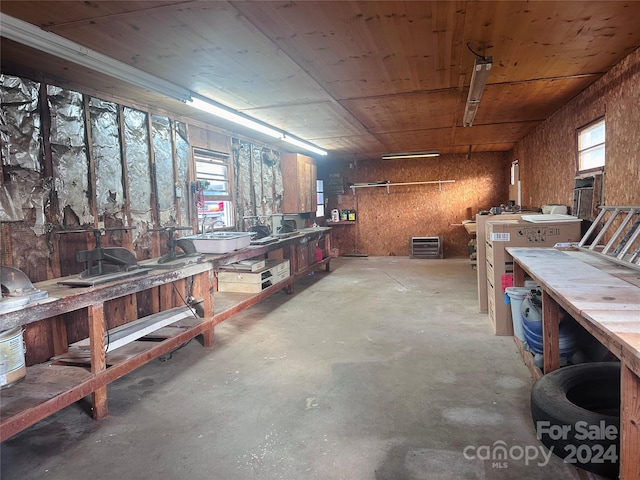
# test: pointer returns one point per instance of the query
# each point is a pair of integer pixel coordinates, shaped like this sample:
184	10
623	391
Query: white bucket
12	363
516	296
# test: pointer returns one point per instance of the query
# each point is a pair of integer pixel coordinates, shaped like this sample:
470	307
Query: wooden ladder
620	228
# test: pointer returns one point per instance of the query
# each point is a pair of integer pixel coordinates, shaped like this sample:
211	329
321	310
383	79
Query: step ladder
619	227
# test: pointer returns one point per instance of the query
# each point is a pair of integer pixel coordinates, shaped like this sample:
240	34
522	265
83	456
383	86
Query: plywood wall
387	221
548	156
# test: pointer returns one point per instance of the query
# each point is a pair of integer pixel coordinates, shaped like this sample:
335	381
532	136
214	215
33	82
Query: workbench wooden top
606	298
62	299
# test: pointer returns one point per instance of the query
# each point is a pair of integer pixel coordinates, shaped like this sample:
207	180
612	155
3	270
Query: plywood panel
203	138
494	133
312	120
211	42
524	46
386	221
524	101
410	111
356	49
416	140
548	156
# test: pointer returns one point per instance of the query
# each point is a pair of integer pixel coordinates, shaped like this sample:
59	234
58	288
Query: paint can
12	363
335	215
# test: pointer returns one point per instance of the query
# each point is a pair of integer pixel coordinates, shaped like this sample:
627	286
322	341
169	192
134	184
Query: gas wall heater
426	247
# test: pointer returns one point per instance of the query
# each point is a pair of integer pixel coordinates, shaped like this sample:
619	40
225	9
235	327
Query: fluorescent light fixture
219	111
398	156
481	67
34	37
302	144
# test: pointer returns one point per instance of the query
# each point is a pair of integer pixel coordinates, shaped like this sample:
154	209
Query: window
213	197
320	200
591	147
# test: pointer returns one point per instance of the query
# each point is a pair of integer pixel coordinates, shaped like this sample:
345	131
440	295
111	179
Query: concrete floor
381	369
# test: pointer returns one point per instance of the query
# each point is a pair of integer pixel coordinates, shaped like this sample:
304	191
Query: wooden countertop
604	298
63	299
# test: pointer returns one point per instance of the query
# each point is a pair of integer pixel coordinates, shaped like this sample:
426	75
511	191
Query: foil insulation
136	140
69	153
107	155
182	182
244	197
256	179
163	161
19	100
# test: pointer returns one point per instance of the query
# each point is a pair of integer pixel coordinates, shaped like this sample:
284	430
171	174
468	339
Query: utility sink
220	242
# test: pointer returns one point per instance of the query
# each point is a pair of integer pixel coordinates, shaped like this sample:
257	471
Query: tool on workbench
185	245
103	264
17	289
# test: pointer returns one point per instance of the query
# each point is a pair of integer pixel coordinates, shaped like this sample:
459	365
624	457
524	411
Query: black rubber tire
588	393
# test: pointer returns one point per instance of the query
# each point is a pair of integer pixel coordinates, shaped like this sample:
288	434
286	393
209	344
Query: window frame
320	202
203	155
579	152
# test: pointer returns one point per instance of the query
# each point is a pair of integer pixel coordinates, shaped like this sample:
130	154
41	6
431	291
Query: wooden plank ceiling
356	78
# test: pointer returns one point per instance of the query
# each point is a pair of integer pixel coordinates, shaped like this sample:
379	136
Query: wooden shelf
51	386
369	185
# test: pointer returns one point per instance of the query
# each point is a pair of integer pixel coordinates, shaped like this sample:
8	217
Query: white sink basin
220	242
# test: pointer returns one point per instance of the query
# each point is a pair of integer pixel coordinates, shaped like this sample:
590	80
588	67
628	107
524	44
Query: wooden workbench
70	376
605	299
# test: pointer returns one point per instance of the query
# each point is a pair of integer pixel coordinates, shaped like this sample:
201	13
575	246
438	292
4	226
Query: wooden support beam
203	284
629	425
550	332
59	332
518	275
98	359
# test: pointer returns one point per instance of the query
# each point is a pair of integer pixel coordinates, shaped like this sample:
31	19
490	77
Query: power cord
164	358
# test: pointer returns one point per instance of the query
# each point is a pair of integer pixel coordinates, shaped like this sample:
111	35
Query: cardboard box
499	264
481	251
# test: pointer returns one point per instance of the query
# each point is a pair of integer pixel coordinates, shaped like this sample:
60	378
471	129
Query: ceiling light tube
220	111
32	36
398	156
209	106
302	144
481	67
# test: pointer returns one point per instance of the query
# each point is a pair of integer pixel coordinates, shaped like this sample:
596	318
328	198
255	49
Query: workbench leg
550	333
208	337
99	406
518	275
59	332
203	284
629	425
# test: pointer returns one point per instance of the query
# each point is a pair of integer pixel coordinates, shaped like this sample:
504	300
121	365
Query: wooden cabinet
299	181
